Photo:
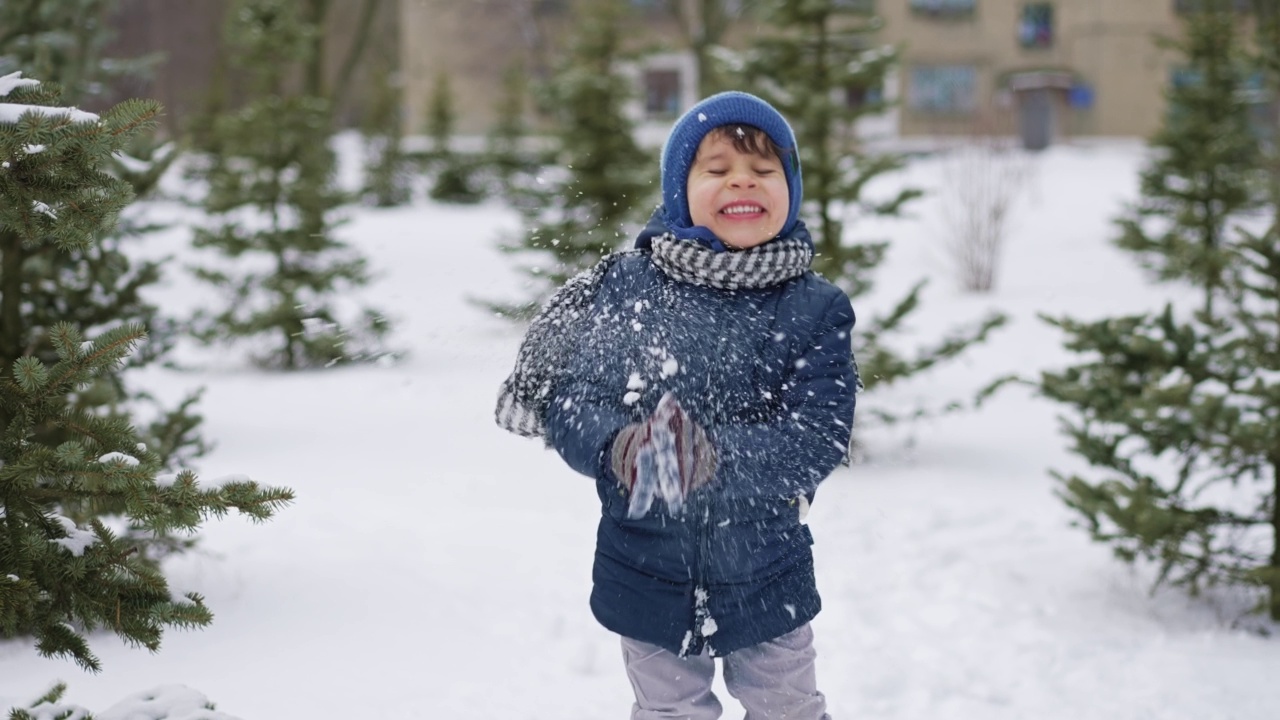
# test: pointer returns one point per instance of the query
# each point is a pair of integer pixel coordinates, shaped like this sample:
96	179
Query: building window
943	8
1036	29
943	89
857	97
662	93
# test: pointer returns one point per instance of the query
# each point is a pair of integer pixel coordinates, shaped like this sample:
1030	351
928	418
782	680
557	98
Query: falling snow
953	583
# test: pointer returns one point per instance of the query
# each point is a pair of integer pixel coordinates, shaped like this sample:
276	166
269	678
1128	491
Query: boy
705	380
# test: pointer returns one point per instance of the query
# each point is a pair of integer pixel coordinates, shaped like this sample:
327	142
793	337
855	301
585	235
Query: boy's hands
695	456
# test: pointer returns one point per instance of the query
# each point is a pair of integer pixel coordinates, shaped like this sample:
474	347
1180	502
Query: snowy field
436	567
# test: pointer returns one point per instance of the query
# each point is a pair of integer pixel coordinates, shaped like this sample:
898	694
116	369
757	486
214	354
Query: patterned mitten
626	448
695	454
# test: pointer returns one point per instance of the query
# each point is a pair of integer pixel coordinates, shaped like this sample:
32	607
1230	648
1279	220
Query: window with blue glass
943	89
1036	27
943	8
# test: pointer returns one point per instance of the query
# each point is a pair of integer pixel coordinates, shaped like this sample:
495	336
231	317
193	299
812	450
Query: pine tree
1204	171
454	174
578	210
100	283
822	70
505	153
167	703
387	176
284	268
58	578
1178	412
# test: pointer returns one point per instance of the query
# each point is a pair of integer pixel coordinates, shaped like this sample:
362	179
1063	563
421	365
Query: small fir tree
823	71
387	175
272	194
577	210
454	173
172	702
506	154
1204	169
58	578
1178	413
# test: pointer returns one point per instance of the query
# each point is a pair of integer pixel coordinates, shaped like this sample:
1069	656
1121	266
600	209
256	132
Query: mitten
695	455
694	451
625	450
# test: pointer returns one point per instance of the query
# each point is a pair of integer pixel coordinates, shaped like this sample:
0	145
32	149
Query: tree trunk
355	54
12	256
313	73
1275	540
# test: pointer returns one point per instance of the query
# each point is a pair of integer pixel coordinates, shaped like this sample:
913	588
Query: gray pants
773	680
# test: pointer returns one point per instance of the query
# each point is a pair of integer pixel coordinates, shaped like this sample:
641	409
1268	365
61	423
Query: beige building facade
1043	69
1046	68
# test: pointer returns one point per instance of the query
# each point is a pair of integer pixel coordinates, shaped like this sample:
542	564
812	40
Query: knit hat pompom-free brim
726	108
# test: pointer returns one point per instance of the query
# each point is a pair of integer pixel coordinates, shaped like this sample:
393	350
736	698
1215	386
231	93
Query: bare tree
983	177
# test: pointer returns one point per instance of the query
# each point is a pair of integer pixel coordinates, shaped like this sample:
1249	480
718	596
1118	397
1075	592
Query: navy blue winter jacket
769	374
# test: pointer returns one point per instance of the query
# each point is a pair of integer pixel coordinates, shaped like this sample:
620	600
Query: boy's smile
741	197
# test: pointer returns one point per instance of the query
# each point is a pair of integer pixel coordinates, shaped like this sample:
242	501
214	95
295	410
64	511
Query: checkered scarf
548	344
692	262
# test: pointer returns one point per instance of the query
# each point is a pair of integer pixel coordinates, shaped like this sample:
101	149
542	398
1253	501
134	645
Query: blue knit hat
726	108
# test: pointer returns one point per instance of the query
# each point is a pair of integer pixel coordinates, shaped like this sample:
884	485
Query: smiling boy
715	348
737	187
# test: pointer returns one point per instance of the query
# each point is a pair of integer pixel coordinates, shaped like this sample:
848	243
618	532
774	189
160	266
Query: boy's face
743	198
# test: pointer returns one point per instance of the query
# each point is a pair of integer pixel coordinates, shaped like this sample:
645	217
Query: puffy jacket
769	374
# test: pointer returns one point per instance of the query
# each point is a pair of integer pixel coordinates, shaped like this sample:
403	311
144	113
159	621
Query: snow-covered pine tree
273	198
1178	412
578	208
169	702
454	173
59	579
824	72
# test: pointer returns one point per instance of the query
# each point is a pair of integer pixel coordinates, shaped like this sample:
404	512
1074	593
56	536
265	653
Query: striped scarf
548	344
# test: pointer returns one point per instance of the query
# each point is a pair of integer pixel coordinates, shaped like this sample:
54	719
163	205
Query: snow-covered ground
436	567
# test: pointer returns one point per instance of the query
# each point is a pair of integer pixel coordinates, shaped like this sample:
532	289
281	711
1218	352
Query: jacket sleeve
586	409
788	455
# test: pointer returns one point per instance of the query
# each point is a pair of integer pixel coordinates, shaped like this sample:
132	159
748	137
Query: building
1044	69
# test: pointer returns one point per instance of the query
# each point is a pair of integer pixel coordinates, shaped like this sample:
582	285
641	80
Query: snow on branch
12	112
